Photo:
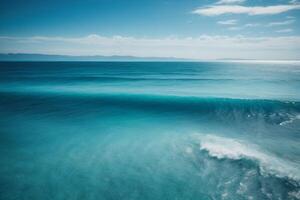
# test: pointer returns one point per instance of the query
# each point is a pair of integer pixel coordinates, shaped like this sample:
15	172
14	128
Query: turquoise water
150	130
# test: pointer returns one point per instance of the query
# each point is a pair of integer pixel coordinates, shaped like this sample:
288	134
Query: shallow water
139	130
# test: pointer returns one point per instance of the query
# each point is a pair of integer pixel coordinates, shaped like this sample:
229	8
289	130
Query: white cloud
290	17
235	28
271	24
230	1
287	22
294	1
228	22
236	9
202	47
252	25
288	30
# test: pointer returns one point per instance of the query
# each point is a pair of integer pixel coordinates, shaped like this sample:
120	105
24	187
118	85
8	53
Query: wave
83	79
233	149
271	111
290	120
99	79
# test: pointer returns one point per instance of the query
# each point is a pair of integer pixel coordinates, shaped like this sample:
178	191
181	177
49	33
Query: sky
195	29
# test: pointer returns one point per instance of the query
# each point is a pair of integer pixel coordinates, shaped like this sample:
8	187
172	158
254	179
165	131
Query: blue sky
206	29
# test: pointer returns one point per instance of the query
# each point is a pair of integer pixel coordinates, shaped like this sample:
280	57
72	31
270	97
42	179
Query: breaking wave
227	148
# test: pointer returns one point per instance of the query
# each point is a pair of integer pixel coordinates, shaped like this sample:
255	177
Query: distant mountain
45	57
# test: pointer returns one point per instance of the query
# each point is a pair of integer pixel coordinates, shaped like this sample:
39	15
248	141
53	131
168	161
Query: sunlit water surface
149	130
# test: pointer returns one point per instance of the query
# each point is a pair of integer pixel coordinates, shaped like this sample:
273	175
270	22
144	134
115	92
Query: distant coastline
19	57
48	57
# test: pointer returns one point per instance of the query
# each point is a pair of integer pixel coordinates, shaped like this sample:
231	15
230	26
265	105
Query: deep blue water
150	130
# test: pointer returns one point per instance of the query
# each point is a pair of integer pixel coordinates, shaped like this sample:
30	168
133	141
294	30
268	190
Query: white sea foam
227	148
291	120
295	194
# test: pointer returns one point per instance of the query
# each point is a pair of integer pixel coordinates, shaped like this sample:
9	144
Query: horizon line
130	58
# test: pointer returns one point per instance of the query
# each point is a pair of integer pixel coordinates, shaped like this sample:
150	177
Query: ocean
150	130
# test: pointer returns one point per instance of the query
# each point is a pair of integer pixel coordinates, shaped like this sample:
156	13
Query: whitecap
295	194
290	120
228	148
